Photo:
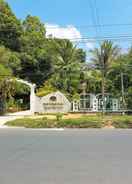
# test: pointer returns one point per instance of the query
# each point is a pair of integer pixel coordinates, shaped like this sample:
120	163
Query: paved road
65	157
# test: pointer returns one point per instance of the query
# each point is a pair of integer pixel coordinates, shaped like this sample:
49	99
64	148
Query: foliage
36	62
104	56
46	89
5	85
10	27
67	67
59	116
9	60
13	105
76	96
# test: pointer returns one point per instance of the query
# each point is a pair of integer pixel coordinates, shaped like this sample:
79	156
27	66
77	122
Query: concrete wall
52	103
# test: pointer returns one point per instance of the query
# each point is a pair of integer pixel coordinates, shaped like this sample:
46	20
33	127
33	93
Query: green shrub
45	118
59	116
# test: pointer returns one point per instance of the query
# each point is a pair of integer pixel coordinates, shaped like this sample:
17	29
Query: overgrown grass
83	122
122	121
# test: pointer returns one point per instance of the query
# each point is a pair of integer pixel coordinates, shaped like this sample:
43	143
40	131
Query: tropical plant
67	65
103	56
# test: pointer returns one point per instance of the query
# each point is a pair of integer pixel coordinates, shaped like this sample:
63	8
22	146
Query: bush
59	116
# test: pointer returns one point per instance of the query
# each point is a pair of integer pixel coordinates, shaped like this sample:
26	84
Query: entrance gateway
58	103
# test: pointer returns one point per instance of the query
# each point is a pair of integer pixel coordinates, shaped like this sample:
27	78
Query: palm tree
67	66
103	56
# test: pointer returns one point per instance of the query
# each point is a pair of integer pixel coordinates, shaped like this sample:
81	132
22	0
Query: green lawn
83	122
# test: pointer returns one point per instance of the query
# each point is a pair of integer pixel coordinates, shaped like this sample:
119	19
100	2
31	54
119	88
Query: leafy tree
33	34
10	27
93	79
81	55
36	62
9	59
6	70
46	89
37	68
5	87
122	71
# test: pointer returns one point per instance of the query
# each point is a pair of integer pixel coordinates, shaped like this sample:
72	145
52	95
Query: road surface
65	157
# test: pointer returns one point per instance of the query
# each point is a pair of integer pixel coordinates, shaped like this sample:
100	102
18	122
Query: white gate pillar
32	98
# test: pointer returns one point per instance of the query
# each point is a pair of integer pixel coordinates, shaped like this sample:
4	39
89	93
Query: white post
75	106
32	99
94	103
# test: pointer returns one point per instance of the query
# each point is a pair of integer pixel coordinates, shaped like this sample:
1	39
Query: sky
73	18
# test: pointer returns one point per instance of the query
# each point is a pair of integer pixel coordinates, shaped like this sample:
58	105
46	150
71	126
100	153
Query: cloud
69	32
90	45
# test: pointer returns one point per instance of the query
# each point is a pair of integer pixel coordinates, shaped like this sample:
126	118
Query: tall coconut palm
68	60
103	56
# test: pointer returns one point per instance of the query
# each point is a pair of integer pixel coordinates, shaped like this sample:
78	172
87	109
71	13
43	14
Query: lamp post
103	94
123	88
84	85
123	92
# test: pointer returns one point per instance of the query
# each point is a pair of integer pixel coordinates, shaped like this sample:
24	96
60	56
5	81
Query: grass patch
61	123
122	122
83	122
